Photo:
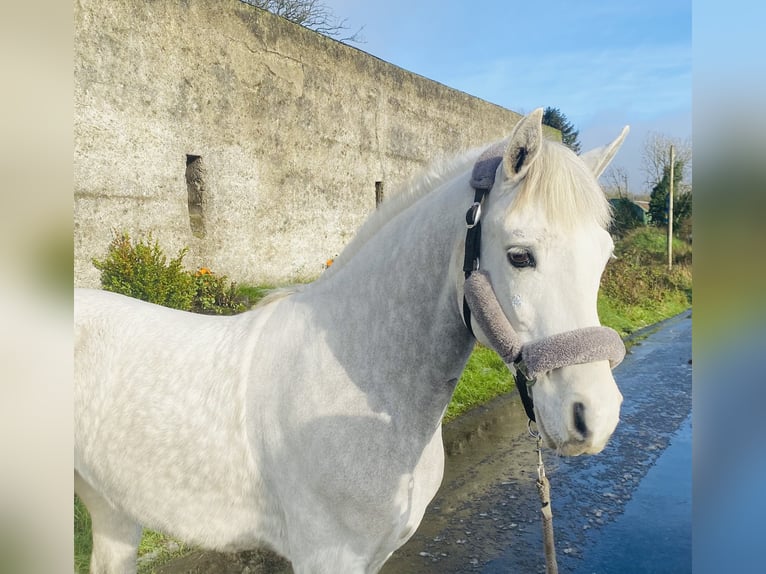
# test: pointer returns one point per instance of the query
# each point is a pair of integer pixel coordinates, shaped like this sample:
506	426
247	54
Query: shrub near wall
140	269
215	295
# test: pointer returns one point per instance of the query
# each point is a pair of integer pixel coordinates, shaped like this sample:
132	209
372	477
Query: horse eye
520	258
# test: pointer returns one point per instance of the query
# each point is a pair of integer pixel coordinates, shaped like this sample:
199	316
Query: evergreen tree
554	118
658	201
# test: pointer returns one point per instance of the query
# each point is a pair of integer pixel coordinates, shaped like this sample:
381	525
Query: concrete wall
293	130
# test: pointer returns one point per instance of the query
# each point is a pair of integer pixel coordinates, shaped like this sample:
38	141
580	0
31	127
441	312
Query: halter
482	180
533	359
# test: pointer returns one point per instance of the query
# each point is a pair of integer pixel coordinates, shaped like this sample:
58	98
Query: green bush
215	295
637	288
640	275
634	284
141	270
649	242
649	246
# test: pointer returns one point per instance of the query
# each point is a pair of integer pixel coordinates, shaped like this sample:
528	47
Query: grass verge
485	377
637	288
83	544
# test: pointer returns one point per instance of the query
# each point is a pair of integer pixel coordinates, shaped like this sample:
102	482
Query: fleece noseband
533	359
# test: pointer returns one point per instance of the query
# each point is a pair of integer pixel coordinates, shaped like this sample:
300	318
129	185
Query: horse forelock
560	184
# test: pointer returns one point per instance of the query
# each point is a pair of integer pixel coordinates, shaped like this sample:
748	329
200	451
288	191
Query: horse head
545	246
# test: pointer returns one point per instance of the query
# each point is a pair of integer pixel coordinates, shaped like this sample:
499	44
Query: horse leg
115	535
335	560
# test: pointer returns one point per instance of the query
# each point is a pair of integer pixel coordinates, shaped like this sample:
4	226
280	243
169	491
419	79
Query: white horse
312	423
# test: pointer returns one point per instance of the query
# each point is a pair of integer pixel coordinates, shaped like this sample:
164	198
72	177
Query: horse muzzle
544	356
578	408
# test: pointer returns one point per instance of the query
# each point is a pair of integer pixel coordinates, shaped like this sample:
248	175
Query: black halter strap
523	383
472	246
482	180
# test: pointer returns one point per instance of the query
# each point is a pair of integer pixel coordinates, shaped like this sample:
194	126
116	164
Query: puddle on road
496	528
477	448
654	533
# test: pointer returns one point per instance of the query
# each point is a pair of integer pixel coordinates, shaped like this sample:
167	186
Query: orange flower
328	262
203	271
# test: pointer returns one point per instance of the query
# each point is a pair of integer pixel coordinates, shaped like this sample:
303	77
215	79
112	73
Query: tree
554	118
310	14
682	204
656	156
616	178
656	165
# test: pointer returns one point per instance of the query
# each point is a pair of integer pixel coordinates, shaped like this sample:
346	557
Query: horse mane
278	293
563	186
560	183
407	194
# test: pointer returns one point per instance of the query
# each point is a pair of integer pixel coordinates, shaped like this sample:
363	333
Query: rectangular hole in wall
378	193
195	187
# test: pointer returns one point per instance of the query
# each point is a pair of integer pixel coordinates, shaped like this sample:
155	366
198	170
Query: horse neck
397	301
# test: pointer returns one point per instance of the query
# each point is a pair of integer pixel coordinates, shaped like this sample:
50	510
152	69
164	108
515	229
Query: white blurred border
36	153
36	42
729	286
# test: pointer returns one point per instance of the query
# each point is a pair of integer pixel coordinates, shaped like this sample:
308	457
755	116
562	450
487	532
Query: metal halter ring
533	433
521	367
473	215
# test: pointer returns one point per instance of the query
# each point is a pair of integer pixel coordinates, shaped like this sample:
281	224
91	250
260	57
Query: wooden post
670	208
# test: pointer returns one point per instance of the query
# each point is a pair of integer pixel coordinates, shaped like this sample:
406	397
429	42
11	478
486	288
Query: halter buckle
473	215
521	367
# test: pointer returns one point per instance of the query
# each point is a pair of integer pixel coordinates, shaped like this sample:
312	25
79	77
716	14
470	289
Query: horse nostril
579	419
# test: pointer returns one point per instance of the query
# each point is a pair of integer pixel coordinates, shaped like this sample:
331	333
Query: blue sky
603	63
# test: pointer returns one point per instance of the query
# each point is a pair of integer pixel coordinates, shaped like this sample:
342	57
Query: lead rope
544	490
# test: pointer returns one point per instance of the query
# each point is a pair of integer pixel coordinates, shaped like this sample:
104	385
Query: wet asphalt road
626	510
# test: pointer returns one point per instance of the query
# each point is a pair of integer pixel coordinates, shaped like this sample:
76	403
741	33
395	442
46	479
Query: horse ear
598	159
523	146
